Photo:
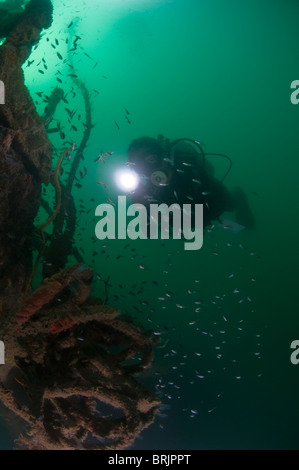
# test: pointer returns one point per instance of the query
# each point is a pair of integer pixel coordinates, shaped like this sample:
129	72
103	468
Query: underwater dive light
127	180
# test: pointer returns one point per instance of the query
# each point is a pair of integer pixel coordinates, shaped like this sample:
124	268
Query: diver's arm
220	200
244	215
216	198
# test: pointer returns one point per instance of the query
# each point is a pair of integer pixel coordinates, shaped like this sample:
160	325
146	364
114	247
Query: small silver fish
187	164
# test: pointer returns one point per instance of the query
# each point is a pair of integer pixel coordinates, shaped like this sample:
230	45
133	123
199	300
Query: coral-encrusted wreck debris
70	359
73	360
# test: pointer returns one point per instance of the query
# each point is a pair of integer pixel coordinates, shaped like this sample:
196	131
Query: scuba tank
197	156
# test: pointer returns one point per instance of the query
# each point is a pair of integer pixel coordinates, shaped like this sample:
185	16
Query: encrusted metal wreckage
71	360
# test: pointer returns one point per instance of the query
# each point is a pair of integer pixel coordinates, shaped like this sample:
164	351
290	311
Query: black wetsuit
205	189
190	186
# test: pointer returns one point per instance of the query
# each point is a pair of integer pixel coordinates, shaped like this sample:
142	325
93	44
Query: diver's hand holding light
127	180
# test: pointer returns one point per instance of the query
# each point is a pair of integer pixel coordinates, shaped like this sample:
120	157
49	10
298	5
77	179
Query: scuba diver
179	172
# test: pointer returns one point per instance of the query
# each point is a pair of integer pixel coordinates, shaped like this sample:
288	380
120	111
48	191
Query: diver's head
147	154
184	153
153	170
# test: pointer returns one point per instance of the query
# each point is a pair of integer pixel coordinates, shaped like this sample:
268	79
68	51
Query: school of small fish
170	311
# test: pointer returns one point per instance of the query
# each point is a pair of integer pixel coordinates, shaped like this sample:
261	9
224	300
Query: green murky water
218	72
